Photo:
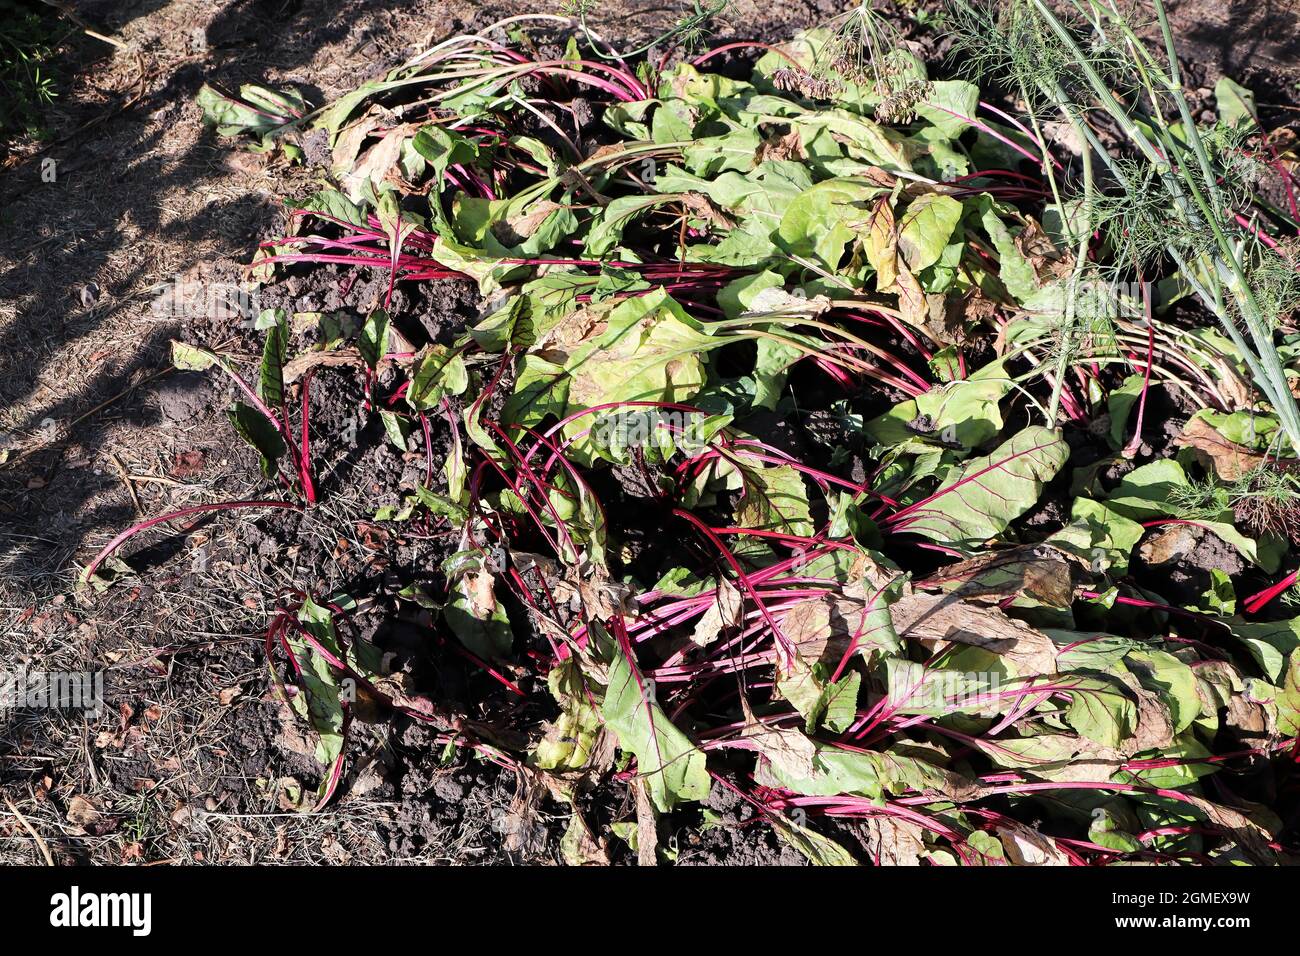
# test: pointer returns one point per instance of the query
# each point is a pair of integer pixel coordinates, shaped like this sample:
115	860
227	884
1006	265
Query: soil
193	758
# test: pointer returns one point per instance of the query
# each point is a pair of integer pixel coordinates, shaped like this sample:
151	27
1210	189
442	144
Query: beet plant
805	445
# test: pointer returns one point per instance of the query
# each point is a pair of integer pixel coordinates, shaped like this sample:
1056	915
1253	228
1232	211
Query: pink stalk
476	180
304	447
543	489
868	606
574	474
625	93
902	329
1036	787
1131	448
1251	227
251	394
1288	181
851	806
428	268
745	45
986	128
1010	120
1010	174
774	456
841	377
1151	605
483	665
1256	602
135	529
783	642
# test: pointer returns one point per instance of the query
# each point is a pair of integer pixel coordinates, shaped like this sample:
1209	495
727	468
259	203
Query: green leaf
842	703
672	767
1188	768
1146	492
191	358
1235	104
1101	710
1220	597
926	229
979	502
607	231
396	428
1248	428
442	505
949	106
1016	272
1151	492
963	412
258	110
775	500
509	325
650	350
475	615
442	147
733	150
737	296
332	203
1108	830
321	700
988	849
373	340
820	222
818	769
1288	698
1100	536
256	429
917	689
1119	404
275	352
541	389
1269	642
1173	680
438	371
816	849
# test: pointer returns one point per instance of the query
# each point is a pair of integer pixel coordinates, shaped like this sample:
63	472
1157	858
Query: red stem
135	529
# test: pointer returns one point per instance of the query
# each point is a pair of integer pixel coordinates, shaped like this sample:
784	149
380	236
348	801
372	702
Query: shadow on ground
128	188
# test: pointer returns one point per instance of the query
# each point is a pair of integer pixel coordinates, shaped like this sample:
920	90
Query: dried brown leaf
790	750
724	613
1170	544
1229	460
1025	846
892	841
788	146
931	618
1035	571
82	813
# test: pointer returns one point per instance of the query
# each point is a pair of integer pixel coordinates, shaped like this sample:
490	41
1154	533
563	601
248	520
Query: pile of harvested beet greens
909	460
